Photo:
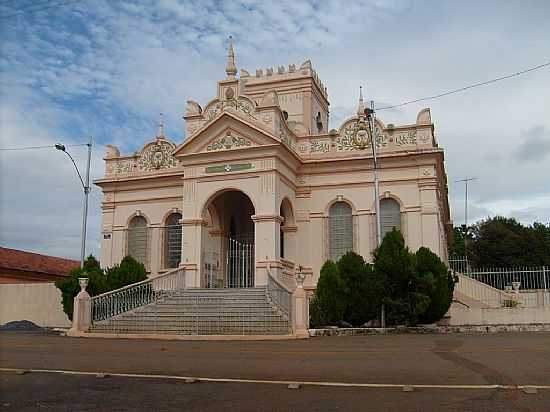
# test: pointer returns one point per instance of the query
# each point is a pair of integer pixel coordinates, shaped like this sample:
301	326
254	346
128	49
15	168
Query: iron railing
530	278
280	296
532	283
138	294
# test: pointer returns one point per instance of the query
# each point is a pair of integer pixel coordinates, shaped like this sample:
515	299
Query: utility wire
39	147
508	76
32	9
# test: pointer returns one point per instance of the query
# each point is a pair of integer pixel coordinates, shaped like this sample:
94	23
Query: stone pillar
82	309
266	242
191	256
300	309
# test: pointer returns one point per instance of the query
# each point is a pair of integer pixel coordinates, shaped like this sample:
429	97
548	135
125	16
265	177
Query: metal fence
529	278
139	294
527	286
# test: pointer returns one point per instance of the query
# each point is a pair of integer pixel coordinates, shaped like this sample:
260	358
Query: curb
542	327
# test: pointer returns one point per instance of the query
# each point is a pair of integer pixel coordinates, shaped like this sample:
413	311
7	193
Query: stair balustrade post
300	309
82	310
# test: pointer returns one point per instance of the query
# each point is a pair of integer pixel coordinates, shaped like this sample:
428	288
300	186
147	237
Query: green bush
429	265
413	287
348	290
328	305
99	281
69	286
127	272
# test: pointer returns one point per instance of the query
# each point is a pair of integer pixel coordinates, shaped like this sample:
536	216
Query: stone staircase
202	312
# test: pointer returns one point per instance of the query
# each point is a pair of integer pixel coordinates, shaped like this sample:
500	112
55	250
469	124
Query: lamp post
86	187
466	180
364	135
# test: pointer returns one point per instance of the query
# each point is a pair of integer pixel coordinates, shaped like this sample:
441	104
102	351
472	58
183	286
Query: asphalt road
485	359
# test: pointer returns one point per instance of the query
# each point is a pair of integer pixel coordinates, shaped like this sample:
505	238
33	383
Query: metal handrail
137	294
279	294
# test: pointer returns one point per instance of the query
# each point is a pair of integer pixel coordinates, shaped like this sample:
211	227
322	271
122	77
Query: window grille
341	230
390	216
172	241
138	239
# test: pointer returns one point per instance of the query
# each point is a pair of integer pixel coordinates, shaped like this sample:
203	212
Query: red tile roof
34	262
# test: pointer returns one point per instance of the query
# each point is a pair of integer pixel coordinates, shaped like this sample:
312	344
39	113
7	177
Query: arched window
390	216
172	241
138	239
341	230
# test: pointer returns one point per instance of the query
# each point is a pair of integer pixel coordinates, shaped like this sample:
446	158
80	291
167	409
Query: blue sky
107	69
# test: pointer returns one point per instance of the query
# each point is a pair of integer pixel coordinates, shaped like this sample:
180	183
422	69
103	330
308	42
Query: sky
80	68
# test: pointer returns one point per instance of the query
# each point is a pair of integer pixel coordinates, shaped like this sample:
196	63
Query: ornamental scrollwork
228	142
242	105
123	167
318	146
408	138
348	141
157	155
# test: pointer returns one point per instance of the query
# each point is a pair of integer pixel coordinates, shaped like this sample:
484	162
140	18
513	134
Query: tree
328	305
406	294
440	282
127	272
362	289
504	242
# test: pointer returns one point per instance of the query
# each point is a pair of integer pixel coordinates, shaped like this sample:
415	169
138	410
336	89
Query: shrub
70	287
328	305
127	272
429	266
99	281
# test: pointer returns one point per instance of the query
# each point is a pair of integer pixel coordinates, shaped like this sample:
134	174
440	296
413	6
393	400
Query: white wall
38	302
461	315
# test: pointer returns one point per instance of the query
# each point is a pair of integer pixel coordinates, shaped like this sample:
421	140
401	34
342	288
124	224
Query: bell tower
302	96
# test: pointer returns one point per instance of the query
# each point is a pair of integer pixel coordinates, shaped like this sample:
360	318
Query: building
18	266
27	290
261	186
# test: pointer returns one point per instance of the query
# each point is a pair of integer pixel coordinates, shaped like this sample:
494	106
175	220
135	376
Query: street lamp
363	136
86	187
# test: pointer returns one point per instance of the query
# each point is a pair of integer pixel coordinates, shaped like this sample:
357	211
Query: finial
230	68
361	106
160	133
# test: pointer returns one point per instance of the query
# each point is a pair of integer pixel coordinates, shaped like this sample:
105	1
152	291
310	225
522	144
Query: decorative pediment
157	155
240	103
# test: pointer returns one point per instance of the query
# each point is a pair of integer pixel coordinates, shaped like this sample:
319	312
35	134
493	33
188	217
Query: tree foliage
413	287
503	242
99	280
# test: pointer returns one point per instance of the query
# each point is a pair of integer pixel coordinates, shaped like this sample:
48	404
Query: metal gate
240	264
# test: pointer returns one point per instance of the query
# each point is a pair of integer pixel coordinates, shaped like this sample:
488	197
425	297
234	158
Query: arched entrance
228	241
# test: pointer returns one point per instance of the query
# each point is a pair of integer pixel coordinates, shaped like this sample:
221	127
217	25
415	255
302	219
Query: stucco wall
38	302
498	316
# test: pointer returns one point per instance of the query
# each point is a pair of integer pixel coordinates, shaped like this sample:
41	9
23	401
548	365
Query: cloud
107	69
536	146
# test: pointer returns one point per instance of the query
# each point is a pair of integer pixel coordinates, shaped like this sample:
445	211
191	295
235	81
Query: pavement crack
447	349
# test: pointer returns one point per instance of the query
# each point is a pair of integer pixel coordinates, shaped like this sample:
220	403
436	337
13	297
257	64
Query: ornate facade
261	185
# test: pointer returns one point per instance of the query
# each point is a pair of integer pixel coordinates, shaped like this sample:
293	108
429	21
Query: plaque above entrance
237	167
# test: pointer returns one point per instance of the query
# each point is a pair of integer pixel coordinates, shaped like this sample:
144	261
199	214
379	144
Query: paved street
504	359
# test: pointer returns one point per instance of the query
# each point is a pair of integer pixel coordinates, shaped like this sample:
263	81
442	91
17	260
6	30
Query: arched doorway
228	241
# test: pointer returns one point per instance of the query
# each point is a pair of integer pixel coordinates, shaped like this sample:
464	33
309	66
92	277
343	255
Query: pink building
263	189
